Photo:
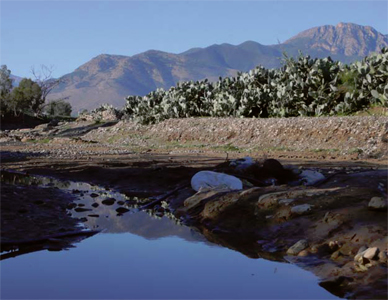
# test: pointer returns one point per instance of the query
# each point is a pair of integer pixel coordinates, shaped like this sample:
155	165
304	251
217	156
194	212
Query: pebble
297	247
94	195
95	204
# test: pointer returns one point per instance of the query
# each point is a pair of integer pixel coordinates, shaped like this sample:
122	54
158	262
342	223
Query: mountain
110	78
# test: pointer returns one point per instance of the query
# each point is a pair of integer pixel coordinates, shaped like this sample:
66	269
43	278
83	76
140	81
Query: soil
152	161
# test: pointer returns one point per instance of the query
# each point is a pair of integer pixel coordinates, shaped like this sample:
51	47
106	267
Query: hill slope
110	78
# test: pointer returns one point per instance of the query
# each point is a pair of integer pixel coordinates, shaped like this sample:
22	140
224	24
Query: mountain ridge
109	78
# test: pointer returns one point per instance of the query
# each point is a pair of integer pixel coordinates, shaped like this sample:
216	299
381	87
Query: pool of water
127	266
140	255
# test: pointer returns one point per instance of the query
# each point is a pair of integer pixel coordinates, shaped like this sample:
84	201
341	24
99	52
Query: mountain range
110	78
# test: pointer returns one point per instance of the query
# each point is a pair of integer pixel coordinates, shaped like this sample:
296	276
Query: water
141	256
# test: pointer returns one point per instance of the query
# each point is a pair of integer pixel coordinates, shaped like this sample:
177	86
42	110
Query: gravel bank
366	135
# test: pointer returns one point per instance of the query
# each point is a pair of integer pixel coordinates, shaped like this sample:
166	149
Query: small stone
95	204
81	209
363	261
94	216
371	253
301	209
122	210
94	195
109	201
377	203
297	247
81	205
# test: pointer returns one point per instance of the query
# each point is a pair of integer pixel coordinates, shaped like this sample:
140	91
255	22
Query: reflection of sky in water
150	258
108	266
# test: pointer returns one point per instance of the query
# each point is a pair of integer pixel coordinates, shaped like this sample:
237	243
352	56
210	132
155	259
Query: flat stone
377	203
298	247
301	209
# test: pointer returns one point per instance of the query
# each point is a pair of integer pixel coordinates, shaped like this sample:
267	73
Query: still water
142	256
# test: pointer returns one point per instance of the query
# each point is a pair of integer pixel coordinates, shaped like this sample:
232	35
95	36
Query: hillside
110	78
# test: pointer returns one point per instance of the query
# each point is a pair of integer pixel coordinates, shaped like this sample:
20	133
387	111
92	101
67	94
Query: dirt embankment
365	137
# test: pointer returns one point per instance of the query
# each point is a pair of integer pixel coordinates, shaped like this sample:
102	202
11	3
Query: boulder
209	179
310	177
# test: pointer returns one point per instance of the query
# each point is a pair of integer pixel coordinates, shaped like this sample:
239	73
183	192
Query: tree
25	97
58	108
5	88
47	83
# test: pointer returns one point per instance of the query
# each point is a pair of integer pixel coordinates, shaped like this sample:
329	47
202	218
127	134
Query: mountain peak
344	38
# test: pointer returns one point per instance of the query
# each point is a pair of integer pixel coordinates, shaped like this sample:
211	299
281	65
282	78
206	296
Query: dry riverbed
336	229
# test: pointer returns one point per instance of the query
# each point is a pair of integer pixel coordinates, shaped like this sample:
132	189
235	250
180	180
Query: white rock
209	179
309	177
371	253
301	209
377	203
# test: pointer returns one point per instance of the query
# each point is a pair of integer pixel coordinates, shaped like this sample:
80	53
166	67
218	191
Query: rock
383	257
286	201
301	209
209	179
71	205
95	204
94	195
371	253
213	208
297	247
93	216
303	253
309	177
122	210
368	254
243	163
109	201
81	209
377	203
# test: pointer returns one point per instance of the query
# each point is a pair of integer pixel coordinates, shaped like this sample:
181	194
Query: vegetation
58	108
302	87
30	96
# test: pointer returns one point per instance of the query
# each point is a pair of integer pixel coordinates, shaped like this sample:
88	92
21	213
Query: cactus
301	87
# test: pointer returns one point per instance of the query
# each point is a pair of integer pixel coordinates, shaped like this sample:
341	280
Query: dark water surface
142	256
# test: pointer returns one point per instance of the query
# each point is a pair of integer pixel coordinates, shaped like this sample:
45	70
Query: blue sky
66	34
